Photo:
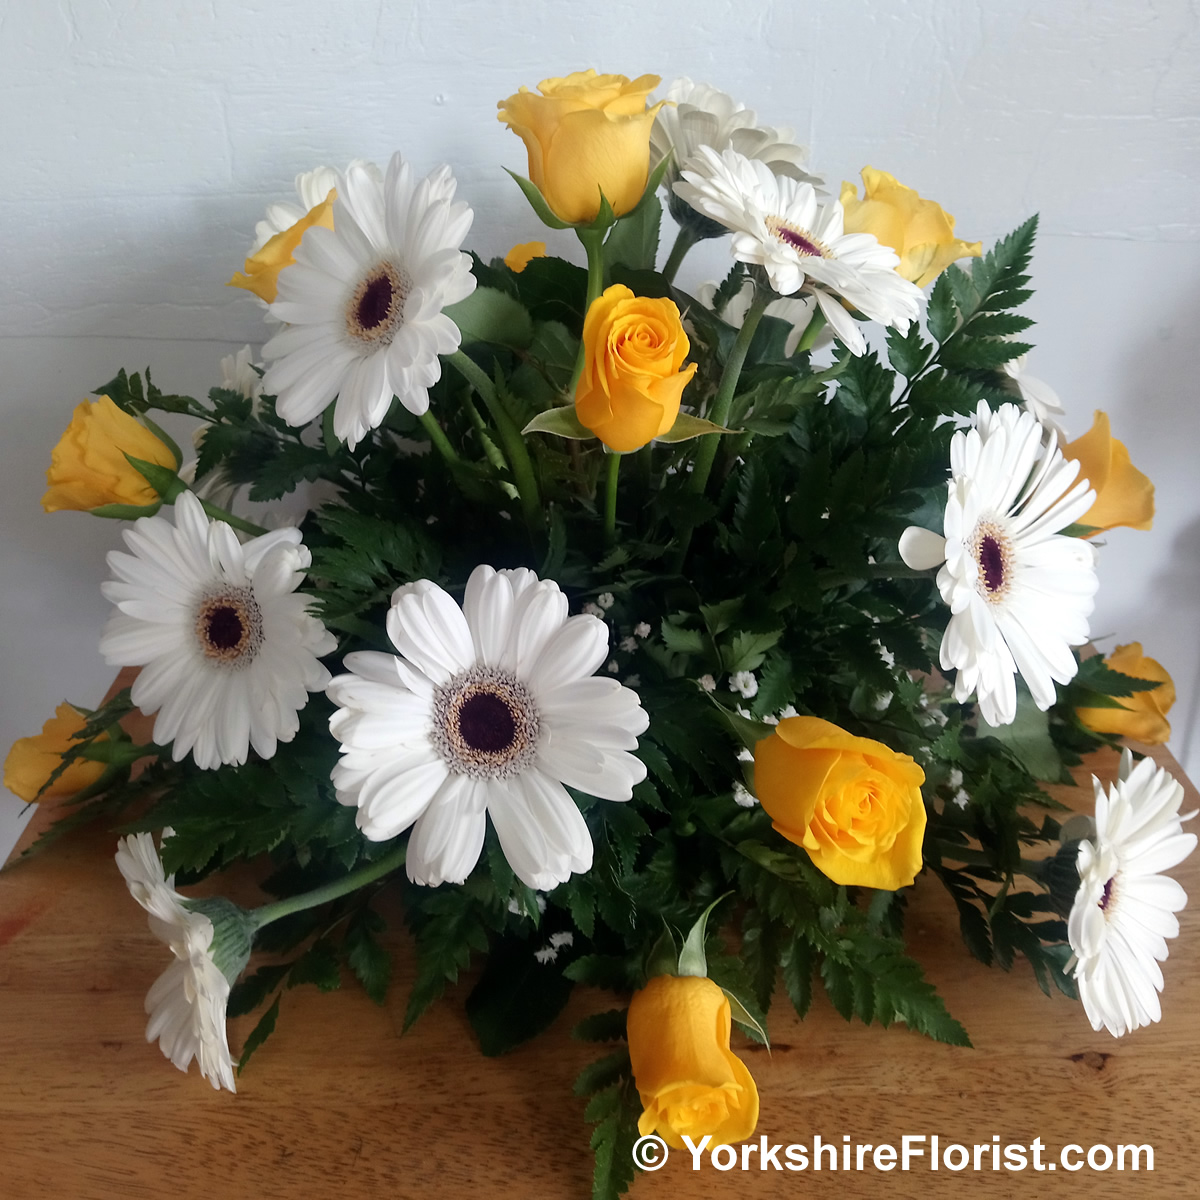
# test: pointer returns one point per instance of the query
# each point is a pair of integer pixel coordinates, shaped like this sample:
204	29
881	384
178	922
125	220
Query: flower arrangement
643	640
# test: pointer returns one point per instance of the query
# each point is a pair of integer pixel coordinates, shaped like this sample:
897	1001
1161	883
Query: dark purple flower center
485	723
1106	897
374	306
991	562
799	240
223	627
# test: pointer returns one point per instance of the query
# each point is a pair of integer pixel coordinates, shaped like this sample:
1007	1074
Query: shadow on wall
1161	383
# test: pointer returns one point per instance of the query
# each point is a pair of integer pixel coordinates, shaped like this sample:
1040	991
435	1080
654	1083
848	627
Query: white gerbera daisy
238	374
1125	908
698	114
1039	397
1019	592
797	311
227	648
780	225
363	301
491	709
187	1003
312	188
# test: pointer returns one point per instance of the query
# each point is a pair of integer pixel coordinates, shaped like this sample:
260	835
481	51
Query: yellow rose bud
920	231
88	467
32	760
1124	496
1142	716
854	804
263	266
520	256
632	382
689	1081
585	134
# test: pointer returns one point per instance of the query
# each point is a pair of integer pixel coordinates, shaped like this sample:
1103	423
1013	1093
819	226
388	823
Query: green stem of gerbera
814	327
685	239
510	436
437	435
593	243
219	514
331	891
610	498
723	401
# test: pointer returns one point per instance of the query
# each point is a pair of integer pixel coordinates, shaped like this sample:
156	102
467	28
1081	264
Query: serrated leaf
370	962
319	966
608	1026
247	994
259	1034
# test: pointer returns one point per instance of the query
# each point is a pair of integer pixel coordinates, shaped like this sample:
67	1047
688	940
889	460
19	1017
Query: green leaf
1096	676
633	241
489	315
538	202
681	641
319	966
603	1073
608	1026
370	962
908	352
1028	738
259	1034
247	994
797	964
560	421
940	316
516	997
687	427
613	1140
748	650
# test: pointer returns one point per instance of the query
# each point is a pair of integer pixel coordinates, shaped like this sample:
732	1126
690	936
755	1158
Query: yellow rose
585	134
263	266
32	760
520	256
920	231
1124	496
1142	716
88	467
689	1080
854	804
631	384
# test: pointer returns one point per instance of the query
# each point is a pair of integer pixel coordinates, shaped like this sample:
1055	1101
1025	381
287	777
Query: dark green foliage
786	567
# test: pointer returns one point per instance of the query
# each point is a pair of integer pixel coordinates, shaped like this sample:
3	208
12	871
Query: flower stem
685	239
331	891
510	436
811	331
438	437
593	243
723	401
220	514
610	499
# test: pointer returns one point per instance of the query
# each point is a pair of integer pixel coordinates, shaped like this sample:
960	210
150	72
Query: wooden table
337	1104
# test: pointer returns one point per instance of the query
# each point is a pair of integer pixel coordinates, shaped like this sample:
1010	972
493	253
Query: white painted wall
141	142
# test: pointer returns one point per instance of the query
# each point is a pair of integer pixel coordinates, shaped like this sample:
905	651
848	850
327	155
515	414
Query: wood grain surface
338	1104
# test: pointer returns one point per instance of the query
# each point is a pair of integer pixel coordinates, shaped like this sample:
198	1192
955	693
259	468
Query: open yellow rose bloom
1124	496
88	467
263	266
689	1080
633	377
853	803
920	231
32	760
585	134
1142	716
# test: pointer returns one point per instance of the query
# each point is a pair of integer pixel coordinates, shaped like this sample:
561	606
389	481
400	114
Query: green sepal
560	421
1079	531
233	933
490	315
163	480
663	956
116	753
747	731
742	1016
538	202
126	512
687	427
166	439
692	960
